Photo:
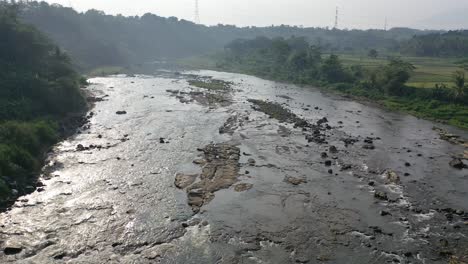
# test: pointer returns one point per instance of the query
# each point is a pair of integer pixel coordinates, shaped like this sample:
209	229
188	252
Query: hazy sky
353	13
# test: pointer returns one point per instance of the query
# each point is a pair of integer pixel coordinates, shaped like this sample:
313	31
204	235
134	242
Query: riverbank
27	144
454	114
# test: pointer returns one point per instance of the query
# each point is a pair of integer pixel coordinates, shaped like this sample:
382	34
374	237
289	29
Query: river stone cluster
220	170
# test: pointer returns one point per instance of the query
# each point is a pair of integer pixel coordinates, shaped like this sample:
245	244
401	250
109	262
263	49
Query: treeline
449	44
95	39
38	88
295	60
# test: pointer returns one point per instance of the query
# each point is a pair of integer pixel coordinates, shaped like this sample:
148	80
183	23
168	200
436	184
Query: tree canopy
38	87
96	39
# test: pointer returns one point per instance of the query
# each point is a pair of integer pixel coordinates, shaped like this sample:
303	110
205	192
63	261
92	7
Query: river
109	192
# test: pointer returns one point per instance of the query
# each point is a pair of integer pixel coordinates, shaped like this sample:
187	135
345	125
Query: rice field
428	72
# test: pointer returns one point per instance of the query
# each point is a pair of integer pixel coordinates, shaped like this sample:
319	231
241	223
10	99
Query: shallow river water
117	203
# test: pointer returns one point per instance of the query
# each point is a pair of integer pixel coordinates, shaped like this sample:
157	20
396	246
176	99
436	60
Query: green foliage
394	76
460	86
39	87
386	83
452	43
333	71
373	53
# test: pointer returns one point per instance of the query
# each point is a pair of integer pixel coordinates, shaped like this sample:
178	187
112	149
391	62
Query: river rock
368	146
199	161
12	248
121	112
458	164
182	181
80	147
242	187
220	171
294	180
381	195
322	121
391	177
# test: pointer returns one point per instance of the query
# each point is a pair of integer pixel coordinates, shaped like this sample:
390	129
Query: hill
95	39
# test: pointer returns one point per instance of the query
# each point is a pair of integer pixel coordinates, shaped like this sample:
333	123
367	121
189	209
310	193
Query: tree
460	86
333	70
373	53
392	77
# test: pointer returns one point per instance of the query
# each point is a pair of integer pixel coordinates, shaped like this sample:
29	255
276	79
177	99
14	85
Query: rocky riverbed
211	167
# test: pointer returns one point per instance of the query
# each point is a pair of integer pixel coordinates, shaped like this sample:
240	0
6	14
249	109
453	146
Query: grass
428	72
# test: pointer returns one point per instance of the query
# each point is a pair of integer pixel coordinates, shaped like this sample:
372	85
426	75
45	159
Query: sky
361	14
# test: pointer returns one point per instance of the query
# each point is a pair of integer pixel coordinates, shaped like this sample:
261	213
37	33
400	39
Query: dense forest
95	39
295	60
39	87
449	44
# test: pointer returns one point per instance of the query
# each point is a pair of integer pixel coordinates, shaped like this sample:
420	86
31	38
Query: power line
336	19
197	13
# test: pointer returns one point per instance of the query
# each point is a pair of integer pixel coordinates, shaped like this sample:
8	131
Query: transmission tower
336	19
197	13
386	24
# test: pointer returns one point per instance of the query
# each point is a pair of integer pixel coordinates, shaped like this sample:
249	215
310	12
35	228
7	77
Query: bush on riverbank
293	60
39	88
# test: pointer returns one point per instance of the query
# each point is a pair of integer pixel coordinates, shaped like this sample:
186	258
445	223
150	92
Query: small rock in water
294	181
333	149
121	112
162	141
407	164
80	147
324	155
381	195
243	187
392	177
458	164
368	146
12	250
199	161
328	163
384	213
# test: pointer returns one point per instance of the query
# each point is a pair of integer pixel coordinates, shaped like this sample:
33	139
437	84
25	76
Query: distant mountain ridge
94	38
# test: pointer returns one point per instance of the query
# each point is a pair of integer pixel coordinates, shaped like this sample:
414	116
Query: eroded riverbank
257	172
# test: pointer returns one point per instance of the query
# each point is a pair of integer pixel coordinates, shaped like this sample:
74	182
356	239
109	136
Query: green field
429	71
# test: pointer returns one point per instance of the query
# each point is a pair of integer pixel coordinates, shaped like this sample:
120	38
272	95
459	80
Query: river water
114	201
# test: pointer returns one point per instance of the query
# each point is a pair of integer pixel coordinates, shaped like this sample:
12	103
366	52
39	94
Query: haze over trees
95	39
449	44
294	60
